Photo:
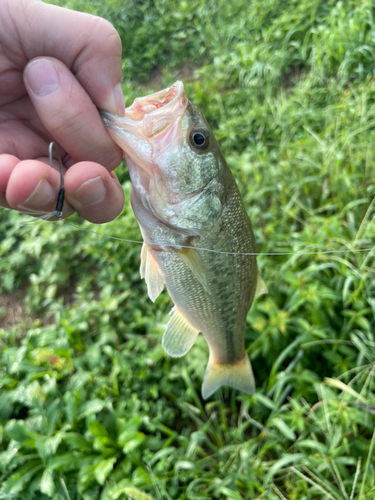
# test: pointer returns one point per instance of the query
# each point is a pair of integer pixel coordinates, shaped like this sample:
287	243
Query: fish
197	235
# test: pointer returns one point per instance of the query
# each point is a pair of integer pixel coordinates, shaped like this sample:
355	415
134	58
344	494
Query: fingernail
42	195
115	178
120	100
42	76
115	103
91	192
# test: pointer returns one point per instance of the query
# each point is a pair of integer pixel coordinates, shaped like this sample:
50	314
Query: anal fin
239	376
179	336
151	272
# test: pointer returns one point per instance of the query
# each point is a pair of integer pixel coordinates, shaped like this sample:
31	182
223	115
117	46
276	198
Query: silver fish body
197	234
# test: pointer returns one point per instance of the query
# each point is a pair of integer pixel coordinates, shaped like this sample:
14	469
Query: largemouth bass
185	200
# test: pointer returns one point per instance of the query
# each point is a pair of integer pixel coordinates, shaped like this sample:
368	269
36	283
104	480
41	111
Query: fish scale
183	194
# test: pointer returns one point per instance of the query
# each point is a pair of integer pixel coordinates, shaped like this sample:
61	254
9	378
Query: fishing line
268	254
43	217
58	213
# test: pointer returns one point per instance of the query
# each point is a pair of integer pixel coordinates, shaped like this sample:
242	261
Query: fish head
174	161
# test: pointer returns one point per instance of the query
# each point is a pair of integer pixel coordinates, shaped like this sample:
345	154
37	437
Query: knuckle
67	121
105	34
110	158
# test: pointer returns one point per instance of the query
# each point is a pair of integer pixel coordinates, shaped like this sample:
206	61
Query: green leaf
103	469
19	431
21	477
7	456
47	484
97	428
91	408
230	494
134	441
66	462
136	494
281	464
77	442
312	445
47	446
345	388
264	400
53	415
283	428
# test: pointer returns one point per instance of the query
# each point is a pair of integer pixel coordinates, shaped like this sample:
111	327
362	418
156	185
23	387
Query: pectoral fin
179	335
261	287
151	272
194	261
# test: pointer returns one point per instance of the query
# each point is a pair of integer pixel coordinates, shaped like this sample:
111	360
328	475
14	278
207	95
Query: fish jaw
148	123
151	125
159	111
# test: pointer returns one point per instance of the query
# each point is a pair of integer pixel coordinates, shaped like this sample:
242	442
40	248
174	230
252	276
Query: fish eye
199	138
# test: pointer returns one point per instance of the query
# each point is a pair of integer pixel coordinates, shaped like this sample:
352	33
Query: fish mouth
150	124
165	102
151	115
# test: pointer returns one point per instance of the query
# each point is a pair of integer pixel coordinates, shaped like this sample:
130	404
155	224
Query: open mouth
158	111
167	100
149	124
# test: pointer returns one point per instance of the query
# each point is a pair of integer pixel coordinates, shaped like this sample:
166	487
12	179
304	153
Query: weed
90	405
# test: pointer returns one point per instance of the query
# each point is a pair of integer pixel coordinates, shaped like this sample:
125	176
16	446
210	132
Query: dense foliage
90	405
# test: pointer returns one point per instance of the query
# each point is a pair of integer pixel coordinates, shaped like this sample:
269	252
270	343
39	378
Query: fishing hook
61	195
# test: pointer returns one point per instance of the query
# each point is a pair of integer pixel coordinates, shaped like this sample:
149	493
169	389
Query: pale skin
56	68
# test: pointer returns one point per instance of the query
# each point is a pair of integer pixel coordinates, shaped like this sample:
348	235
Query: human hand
56	68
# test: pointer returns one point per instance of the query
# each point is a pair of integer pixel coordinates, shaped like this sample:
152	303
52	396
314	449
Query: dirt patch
294	75
156	79
12	309
186	73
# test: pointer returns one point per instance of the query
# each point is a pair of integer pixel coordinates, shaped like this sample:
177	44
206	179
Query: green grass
90	406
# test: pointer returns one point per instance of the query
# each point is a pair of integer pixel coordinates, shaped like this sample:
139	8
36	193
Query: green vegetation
90	406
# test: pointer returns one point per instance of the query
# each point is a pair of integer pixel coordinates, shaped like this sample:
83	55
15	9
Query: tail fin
240	376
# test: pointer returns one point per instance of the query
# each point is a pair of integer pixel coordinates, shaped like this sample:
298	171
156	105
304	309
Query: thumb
88	45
